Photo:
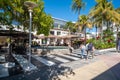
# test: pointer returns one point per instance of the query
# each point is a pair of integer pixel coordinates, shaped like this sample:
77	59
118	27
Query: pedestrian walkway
90	71
105	67
83	68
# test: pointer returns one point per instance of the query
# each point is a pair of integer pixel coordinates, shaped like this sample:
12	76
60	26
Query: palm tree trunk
117	32
112	27
108	24
96	33
78	15
102	31
85	36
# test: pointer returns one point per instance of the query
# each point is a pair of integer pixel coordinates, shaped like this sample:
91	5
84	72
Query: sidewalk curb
106	49
103	51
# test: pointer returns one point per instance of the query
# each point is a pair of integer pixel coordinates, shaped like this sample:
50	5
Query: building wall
59	32
59	23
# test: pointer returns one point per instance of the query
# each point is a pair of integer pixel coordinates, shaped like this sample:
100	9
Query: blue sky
62	8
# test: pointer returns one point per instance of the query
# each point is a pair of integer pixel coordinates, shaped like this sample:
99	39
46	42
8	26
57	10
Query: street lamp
30	5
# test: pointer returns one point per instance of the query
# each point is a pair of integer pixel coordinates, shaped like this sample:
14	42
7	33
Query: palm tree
69	26
117	22
83	23
103	11
97	22
15	10
77	5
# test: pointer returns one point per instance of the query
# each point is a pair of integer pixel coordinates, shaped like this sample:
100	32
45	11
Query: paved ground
106	67
103	67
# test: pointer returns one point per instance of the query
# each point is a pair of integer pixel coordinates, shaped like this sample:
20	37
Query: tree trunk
107	24
85	36
96	33
102	31
78	15
117	32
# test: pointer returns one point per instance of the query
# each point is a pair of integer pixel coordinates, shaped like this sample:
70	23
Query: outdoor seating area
14	41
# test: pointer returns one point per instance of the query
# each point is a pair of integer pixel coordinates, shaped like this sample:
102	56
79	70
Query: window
52	32
58	33
44	41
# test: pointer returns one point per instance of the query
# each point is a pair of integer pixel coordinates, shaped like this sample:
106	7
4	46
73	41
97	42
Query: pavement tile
90	71
105	67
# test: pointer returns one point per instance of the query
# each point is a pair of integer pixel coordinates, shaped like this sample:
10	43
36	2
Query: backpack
90	45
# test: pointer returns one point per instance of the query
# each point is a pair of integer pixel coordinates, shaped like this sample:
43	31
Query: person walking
82	47
70	48
118	45
90	50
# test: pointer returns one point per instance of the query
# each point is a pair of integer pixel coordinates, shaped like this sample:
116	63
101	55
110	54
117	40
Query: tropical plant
70	26
101	44
15	11
83	23
104	12
77	5
108	35
117	22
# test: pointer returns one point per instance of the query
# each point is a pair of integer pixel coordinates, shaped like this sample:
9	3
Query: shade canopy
58	37
14	33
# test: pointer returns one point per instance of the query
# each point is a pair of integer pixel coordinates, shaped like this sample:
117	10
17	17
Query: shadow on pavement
111	74
45	73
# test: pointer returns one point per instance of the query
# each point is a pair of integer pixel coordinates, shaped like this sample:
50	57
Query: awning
69	36
58	37
14	33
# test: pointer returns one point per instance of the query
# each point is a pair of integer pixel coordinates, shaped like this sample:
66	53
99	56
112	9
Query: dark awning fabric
14	33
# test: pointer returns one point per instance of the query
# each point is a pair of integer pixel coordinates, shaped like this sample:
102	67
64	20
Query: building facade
57	34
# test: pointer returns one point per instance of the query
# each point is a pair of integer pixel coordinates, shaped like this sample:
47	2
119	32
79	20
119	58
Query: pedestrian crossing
24	63
76	51
49	60
53	59
72	57
59	58
44	61
75	55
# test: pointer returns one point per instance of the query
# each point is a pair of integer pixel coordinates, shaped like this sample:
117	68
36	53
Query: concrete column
48	41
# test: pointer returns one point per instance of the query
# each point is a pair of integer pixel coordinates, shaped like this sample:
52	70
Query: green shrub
102	44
